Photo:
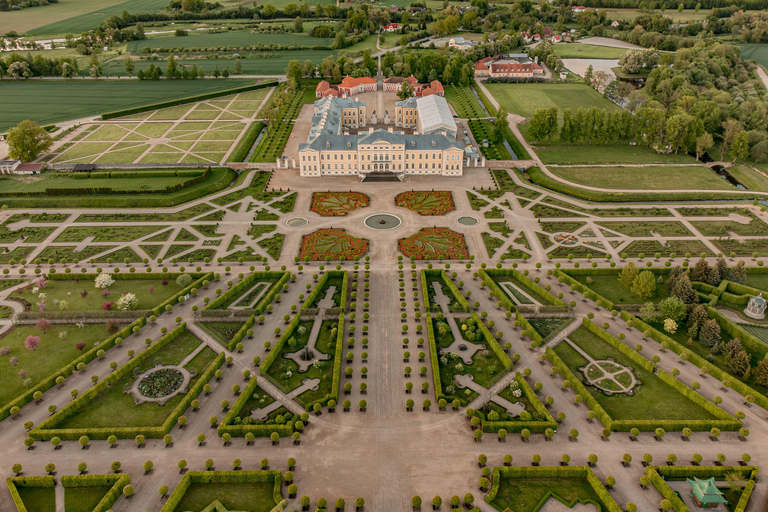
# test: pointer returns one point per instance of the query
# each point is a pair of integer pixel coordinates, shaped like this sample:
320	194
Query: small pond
467	221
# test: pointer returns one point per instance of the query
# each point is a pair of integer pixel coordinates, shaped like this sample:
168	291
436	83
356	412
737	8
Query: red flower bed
432	243
426	202
331	243
338	204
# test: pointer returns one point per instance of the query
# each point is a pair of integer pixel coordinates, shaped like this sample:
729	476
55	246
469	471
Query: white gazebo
756	307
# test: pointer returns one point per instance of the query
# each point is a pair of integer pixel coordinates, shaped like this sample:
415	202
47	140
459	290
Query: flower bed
331	243
160	383
338	204
426	202
431	243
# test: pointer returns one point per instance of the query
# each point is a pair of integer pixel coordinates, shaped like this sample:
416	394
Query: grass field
644	178
464	102
750	178
77	16
52	353
250	497
524	99
525	494
39	499
54	101
758	52
587	51
613	154
83	499
56	180
240	38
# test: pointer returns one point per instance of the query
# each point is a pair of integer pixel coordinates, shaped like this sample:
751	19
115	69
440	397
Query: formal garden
426	202
434	243
331	244
338	204
242	491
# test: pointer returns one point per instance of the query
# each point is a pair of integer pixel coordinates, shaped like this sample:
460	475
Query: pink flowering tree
43	325
22	373
32	342
41	283
151	289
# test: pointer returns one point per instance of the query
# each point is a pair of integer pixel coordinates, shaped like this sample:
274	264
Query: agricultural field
524	99
229	38
756	52
203	132
52	101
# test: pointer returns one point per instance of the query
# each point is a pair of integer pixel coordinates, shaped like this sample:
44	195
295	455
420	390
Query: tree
740	364
129	66
501	125
31	342
644	285
648	312
760	372
588	75
628	274
405	92
739	146
238	67
27	141
309	69
294	71
171	67
672	308
730	128
709	333
19	69
703	143
684	291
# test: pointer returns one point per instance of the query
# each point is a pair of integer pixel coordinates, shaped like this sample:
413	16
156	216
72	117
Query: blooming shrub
104	281
127	302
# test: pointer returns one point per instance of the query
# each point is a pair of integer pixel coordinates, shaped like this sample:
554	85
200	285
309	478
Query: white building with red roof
348	87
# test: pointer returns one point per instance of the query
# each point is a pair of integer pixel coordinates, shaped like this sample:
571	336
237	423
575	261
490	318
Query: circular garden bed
161	383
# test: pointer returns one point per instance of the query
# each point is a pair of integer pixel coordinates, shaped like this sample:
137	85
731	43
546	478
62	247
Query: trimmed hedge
245	284
448	283
526	325
275	351
659	474
518	426
27	481
433	358
246	143
318	289
117	482
240	334
494	346
47	428
224	477
583	289
183	101
226	426
486	276
552	472
69	369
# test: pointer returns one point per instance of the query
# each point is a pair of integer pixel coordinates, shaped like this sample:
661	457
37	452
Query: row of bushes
268	361
433	358
542	179
518	426
246	143
334	393
69	369
246	283
116	482
240	334
527	327
157	310
184	101
448	283
736	384
488	105
27	481
494	346
226	426
182	173
576	286
487	275
224	477
108	190
318	289
552	472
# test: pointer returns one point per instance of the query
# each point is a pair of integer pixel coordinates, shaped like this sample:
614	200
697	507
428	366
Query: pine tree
733	347
761	373
684	291
700	271
740	364
738	274
713	278
722	268
709	333
697	317
628	274
674	275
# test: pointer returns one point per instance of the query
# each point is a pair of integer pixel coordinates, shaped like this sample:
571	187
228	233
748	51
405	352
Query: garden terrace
535	417
475	202
645	228
271	146
331	244
457	301
241	418
435	243
493	278
426	202
261	286
105	409
246	491
621	211
607	285
529	488
657	400
338	204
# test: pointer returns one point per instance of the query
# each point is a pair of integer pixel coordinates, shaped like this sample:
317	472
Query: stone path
606	374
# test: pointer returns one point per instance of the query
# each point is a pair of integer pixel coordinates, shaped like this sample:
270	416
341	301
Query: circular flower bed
160	383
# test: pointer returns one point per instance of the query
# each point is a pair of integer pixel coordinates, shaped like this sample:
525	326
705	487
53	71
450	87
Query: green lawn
114	408
56	101
83	499
39	499
107	233
587	51
245	497
646	229
750	178
463	101
52	354
13	184
611	154
643	178
71	291
609	287
524	99
524	495
653	400
229	38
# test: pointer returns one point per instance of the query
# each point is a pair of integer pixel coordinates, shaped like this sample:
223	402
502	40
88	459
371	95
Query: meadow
524	99
644	178
54	102
587	51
